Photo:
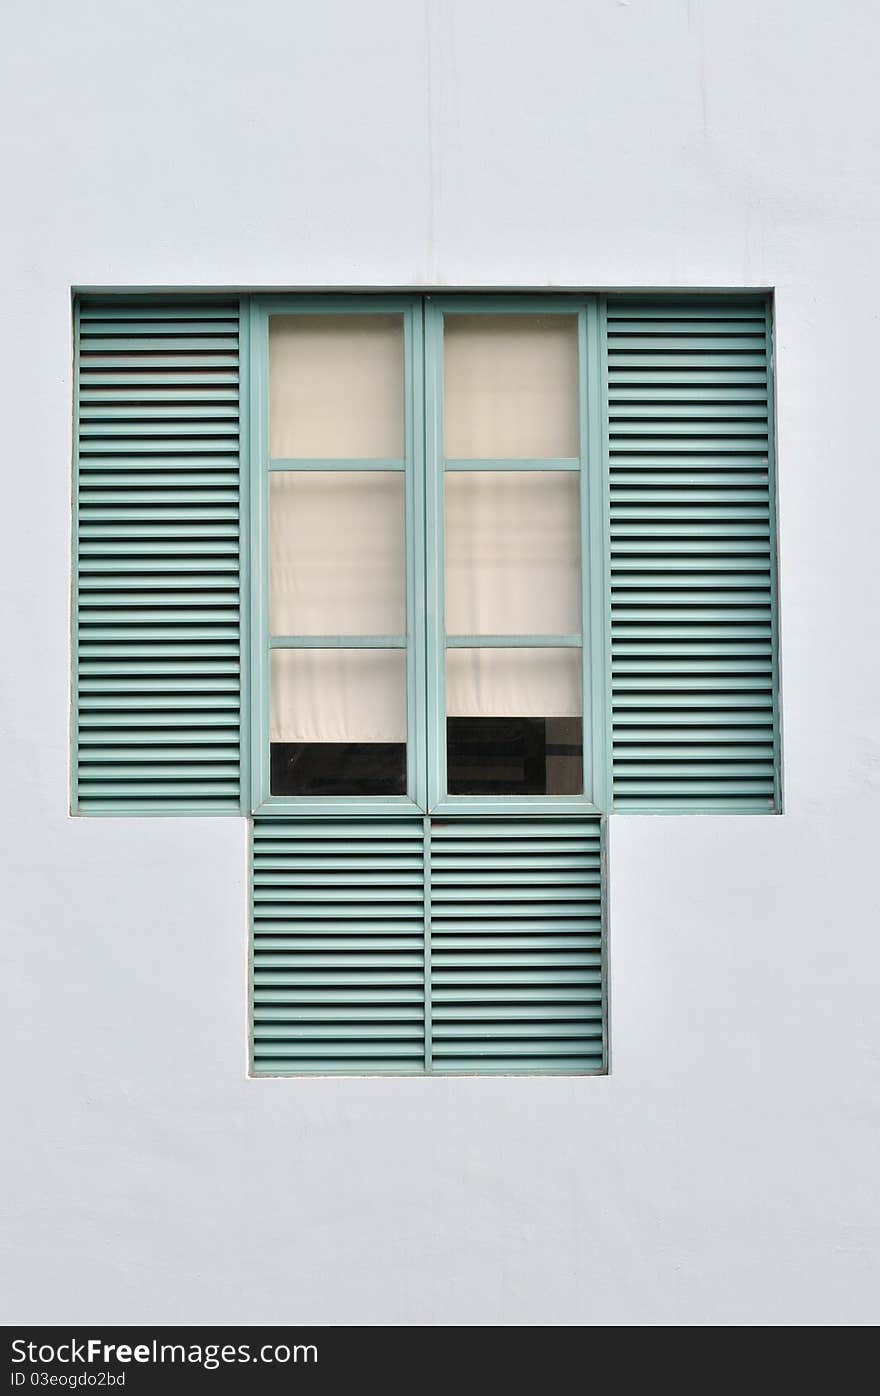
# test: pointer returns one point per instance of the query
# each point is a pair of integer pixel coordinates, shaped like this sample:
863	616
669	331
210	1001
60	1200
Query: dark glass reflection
514	756
337	768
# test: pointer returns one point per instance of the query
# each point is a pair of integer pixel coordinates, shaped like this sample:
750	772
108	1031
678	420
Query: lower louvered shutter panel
375	952
516	945
692	553
338	946
157	585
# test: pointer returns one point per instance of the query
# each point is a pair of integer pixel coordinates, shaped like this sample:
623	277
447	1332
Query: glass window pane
514	756
338	695
514	724
513	553
338	722
336	386
337	768
511	386
337	561
513	682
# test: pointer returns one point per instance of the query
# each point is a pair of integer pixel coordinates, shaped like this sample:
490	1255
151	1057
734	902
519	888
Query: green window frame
424	465
262	465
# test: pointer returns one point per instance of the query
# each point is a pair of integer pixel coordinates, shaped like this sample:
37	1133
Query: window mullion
597	616
434	553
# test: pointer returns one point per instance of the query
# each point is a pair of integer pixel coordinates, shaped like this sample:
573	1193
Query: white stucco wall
727	1170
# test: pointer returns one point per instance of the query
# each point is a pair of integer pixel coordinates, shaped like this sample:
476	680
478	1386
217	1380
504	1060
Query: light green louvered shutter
338	948
516	945
480	950
693	590
157	645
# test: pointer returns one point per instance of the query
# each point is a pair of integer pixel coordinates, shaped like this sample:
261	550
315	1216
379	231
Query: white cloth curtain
513	567
337	544
336	553
513	683
336	386
338	696
337	567
512	538
510	386
513	553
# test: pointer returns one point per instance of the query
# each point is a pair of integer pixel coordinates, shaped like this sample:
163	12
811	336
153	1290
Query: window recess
436	647
427	585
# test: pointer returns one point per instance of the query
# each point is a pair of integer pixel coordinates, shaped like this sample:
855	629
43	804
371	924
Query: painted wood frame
426	642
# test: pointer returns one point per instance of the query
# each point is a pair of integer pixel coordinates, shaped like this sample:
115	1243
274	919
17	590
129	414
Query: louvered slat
338	946
692	554
158	660
516	946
